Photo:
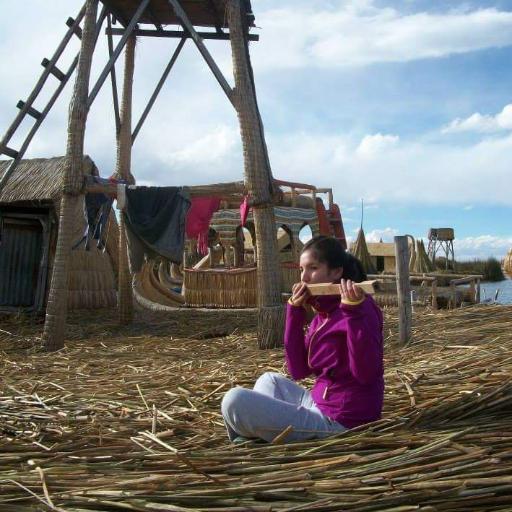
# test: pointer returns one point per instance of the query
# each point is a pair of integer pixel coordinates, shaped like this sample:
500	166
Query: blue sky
407	104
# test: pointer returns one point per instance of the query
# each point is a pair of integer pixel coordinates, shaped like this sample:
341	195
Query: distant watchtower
441	239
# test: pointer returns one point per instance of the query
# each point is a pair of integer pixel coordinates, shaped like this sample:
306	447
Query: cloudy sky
405	104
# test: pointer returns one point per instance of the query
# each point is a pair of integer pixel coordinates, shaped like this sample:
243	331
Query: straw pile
422	263
360	250
128	419
221	288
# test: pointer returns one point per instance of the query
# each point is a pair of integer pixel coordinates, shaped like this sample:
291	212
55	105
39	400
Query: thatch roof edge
38	179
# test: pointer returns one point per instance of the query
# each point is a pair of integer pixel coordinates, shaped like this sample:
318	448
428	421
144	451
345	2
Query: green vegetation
489	268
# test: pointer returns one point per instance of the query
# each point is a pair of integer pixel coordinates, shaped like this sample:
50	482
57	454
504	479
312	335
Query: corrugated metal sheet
20	257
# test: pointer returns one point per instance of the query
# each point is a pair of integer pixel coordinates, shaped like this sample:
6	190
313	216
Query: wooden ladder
26	107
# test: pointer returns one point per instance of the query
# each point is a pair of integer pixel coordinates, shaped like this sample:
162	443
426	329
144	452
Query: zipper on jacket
313	338
324	395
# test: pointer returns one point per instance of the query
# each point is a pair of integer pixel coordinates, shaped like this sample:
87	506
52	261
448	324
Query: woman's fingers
300	293
350	291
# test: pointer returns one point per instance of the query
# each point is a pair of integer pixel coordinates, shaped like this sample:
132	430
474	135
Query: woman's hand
350	292
300	294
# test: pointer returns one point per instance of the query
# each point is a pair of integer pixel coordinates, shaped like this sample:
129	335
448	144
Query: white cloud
371	145
411	172
360	33
208	149
482	123
386	235
481	246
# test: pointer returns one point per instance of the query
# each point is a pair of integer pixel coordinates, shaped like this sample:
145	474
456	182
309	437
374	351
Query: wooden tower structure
441	239
195	20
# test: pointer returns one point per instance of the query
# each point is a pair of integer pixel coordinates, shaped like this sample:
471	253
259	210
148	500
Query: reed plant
489	268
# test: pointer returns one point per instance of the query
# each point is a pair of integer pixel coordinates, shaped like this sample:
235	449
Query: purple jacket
343	348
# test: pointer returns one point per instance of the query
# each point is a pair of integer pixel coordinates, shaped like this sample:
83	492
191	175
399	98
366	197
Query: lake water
488	290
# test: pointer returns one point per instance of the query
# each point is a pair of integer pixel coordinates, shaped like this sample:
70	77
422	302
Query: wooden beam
293	184
115	96
187	25
70	22
369	287
54	70
215	14
178	34
218	189
31	111
158	88
119	48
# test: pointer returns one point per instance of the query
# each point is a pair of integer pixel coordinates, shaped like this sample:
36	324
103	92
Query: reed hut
29	213
382	255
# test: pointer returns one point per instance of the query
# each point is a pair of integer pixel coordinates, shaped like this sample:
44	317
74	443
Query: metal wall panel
21	251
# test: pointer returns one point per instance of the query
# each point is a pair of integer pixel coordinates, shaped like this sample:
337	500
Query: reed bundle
127	418
91	280
224	288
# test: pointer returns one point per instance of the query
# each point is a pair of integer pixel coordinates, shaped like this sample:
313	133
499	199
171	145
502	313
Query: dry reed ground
127	418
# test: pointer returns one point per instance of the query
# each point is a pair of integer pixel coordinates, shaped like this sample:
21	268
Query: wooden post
434	294
123	171
477	291
56	310
472	290
294	198
403	289
453	295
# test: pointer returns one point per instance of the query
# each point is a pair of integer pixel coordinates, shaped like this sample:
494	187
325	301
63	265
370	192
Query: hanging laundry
155	223
244	210
198	220
97	212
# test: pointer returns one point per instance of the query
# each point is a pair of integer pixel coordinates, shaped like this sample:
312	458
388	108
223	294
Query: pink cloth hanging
198	220
244	210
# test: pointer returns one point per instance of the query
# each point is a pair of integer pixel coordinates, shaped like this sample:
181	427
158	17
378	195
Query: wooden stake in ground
403	288
258	179
56	310
123	172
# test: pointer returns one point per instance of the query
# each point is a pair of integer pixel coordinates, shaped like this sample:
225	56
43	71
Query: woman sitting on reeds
342	348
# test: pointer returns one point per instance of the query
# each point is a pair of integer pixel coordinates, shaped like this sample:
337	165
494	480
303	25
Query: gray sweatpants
274	404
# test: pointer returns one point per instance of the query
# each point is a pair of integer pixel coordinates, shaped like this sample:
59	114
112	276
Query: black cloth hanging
155	223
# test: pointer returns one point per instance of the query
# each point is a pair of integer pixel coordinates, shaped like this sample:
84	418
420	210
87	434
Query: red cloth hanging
244	210
198	220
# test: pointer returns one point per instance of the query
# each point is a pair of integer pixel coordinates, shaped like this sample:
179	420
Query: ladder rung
77	30
12	153
30	110
54	70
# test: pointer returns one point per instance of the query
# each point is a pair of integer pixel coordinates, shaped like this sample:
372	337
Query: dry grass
128	419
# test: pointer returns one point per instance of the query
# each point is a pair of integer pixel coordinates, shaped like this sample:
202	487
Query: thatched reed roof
381	249
38	179
205	13
422	263
360	250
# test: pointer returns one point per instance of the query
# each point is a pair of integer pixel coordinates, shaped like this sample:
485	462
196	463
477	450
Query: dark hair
329	250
